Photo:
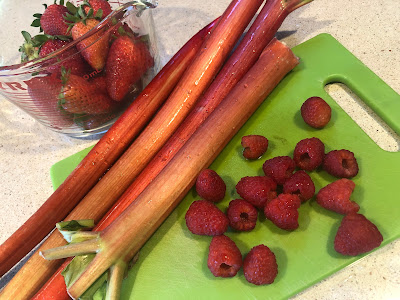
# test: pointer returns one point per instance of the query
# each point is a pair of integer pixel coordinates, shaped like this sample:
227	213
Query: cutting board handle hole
364	116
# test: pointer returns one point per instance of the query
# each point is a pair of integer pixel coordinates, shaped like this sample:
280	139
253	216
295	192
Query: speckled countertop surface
369	29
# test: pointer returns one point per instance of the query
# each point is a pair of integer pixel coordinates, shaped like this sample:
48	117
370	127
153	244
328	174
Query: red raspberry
282	211
336	197
242	215
254	146
340	163
204	218
316	112
224	257
300	184
279	168
210	186
357	235
259	266
309	154
258	190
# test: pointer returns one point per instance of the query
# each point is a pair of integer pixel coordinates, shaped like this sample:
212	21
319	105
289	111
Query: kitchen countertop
369	29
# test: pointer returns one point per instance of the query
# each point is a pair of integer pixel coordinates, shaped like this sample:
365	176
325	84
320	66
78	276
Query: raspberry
357	235
258	190
254	146
279	168
300	184
210	186
316	112
224	257
340	163
336	197
242	215
204	218
309	154
259	266
282	211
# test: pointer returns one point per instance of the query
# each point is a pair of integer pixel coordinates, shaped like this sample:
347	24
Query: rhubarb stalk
137	223
246	53
36	271
194	82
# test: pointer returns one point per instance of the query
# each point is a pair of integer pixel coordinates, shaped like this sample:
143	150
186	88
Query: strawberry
80	96
121	29
52	20
96	5
94	49
101	84
71	59
127	61
44	93
357	235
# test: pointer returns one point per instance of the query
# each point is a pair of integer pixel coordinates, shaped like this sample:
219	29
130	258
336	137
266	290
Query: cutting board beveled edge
172	264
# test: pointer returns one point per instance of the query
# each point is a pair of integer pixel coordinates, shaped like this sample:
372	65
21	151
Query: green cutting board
173	263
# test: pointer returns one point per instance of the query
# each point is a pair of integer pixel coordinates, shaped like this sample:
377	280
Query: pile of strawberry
89	82
278	195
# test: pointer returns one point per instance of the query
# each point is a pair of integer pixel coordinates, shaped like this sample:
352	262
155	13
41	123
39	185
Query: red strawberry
336	197
71	60
52	20
44	92
254	146
210	186
282	211
204	218
80	96
96	5
260	266
224	257
357	235
94	49
100	82
258	190
127	61
121	29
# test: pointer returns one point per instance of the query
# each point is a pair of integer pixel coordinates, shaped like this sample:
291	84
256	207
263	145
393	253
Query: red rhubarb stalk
246	53
194	82
36	271
129	232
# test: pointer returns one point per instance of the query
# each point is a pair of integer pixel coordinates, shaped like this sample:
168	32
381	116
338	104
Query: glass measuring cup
44	88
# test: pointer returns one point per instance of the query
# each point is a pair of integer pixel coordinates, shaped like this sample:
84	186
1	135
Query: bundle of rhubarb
93	61
150	158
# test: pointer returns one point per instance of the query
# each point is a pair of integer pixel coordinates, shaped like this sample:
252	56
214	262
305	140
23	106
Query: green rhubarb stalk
128	233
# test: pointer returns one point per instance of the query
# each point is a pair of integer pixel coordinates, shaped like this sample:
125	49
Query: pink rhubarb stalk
37	271
129	232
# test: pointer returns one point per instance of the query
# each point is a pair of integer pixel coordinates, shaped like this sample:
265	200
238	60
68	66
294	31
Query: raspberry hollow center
224	266
305	157
244	216
345	164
